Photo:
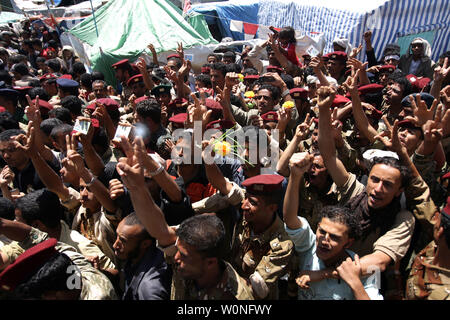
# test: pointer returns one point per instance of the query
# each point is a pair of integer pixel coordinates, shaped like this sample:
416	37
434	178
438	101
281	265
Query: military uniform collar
267	235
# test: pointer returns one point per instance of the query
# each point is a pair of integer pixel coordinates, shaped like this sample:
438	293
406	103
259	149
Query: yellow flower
222	147
249	94
241	77
288	104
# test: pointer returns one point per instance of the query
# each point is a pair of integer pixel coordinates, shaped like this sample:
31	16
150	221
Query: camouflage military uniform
95	285
263	258
231	287
427	281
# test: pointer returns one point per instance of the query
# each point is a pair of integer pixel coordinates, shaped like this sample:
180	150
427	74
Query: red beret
2	109
370	88
48	76
387	68
27	264
179	118
120	63
109	103
44	105
339	101
263	183
298	93
418	83
140	99
135	79
251	77
95	123
22	88
173	55
66	76
270	116
178	103
213	105
408	124
338	55
446	176
326	57
205	70
274	68
220	124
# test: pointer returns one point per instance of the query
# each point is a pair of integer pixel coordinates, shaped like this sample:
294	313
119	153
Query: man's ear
399	192
210	262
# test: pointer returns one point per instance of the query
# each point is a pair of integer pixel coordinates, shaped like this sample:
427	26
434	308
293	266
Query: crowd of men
96	203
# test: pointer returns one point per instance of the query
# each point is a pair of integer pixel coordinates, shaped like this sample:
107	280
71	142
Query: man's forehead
385	172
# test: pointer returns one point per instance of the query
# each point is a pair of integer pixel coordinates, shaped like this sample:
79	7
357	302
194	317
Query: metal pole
93	15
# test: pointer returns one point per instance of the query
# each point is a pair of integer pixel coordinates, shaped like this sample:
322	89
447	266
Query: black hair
344	216
7	134
35	83
100	138
205	79
62	114
18	58
97	75
401	80
6	209
250	71
394	163
222	67
38	91
7	121
5	77
73	104
51	276
61	129
21	68
149	109
36	41
233	67
133	220
42	205
47	125
287	33
78	68
54	64
86	80
288	80
229	54
206	233
40	59
275	91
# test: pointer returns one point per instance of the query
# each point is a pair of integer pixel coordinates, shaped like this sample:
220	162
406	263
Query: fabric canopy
126	27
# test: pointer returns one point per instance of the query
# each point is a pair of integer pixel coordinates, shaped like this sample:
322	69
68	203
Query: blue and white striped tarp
388	20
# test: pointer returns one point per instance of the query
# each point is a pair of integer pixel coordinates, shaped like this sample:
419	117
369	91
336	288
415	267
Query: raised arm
93	160
326	145
299	164
151	216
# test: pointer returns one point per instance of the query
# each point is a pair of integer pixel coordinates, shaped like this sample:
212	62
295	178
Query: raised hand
326	96
6	176
302	130
421	112
141	65
355	51
300	163
180	50
392	141
116	189
440	73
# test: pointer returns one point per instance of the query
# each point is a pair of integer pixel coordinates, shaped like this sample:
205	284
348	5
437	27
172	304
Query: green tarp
125	27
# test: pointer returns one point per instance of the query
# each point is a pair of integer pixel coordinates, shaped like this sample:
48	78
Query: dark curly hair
345	216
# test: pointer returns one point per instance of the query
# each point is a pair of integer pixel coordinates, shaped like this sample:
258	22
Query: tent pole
93	15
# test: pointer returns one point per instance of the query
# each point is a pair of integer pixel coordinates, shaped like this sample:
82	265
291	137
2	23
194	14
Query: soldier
123	72
261	249
87	283
430	274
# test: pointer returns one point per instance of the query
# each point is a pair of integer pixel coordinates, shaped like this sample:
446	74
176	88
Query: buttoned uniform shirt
149	279
94	284
261	258
427	281
328	289
98	228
